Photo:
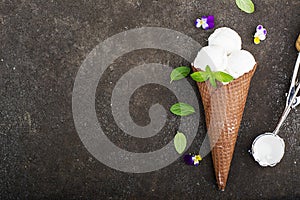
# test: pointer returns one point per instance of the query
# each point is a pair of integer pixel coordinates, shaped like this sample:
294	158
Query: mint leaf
200	76
212	76
179	73
180	142
182	109
223	77
245	5
208	70
212	80
204	76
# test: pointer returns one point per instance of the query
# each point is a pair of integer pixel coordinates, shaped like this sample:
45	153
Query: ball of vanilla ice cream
213	56
239	63
226	38
268	149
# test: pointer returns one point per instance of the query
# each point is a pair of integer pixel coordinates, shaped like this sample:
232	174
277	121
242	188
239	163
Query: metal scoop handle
293	83
286	111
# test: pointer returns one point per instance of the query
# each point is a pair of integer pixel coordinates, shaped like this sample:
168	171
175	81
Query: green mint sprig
211	76
179	73
182	109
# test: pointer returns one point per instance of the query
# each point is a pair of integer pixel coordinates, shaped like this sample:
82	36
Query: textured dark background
43	44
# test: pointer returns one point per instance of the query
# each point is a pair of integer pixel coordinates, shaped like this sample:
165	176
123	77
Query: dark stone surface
43	44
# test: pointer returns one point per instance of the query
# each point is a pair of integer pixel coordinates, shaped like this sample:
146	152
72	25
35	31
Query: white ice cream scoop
239	63
213	56
268	149
226	38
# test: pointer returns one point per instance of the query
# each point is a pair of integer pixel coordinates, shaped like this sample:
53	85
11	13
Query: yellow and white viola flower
260	34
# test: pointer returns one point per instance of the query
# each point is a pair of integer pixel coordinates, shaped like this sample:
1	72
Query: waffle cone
224	107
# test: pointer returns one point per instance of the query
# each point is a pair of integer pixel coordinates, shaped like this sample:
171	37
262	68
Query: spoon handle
293	82
286	111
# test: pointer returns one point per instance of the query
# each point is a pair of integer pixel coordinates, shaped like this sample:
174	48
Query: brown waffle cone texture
224	107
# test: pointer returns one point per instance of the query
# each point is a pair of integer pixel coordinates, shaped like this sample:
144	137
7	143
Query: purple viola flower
206	22
188	159
259	27
191	159
211	21
260	34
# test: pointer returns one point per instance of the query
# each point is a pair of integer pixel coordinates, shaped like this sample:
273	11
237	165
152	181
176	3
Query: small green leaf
245	5
212	76
180	142
179	73
182	109
223	77
200	76
207	69
212	81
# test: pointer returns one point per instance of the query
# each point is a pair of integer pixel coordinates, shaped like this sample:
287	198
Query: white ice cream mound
213	56
224	53
239	63
226	38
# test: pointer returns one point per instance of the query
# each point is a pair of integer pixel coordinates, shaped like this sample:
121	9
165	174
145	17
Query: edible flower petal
260	34
206	22
192	159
